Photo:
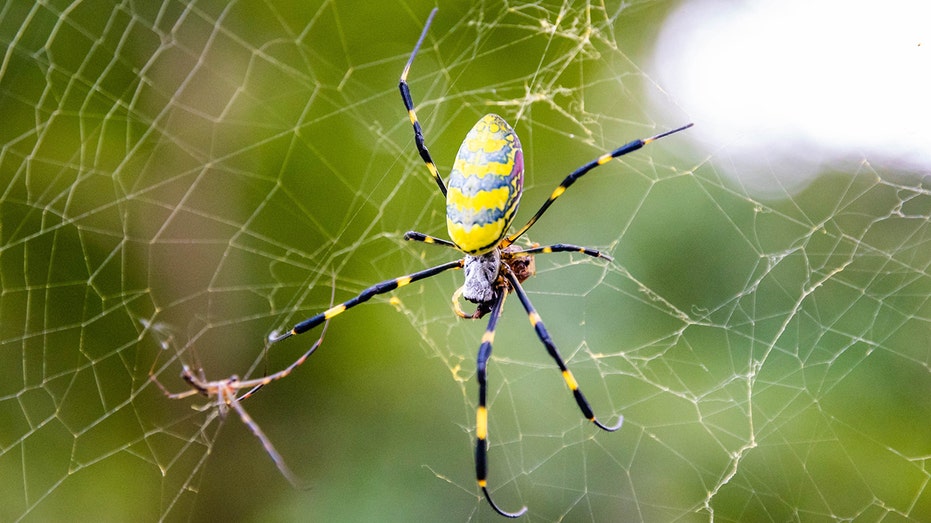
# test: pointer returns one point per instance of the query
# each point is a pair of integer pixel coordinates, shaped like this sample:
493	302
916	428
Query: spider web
182	179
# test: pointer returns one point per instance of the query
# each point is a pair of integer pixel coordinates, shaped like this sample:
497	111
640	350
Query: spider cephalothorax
484	281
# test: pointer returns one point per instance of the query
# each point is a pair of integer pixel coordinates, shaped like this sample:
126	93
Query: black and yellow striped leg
414	236
581	171
551	349
367	294
481	414
409	104
565	247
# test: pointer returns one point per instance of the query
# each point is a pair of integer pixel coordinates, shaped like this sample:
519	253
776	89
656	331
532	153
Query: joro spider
225	394
482	196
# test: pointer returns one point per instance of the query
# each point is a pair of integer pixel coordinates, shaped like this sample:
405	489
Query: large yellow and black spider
482	194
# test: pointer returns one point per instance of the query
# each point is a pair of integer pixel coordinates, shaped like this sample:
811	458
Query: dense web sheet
179	180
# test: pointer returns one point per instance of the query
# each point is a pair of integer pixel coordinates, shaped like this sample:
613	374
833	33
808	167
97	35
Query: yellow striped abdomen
485	186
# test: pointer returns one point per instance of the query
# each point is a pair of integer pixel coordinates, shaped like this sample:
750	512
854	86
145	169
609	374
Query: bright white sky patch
797	85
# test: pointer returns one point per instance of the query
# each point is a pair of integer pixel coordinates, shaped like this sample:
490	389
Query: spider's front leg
537	323
481	414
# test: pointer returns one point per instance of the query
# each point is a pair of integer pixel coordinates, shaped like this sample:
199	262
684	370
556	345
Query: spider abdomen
485	186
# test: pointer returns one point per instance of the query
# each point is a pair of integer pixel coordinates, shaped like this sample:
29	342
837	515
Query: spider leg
481	415
414	236
409	104
481	309
258	383
367	294
173	395
223	394
551	349
266	379
581	171
564	247
228	395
